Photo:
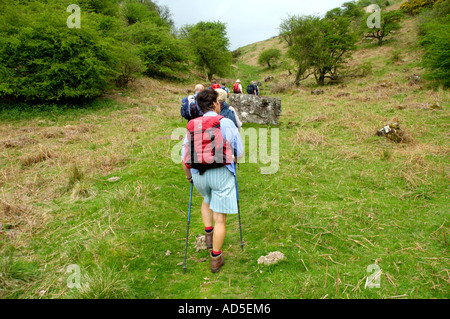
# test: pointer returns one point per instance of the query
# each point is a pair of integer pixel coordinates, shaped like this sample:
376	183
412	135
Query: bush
44	60
436	42
161	53
415	6
434	24
281	87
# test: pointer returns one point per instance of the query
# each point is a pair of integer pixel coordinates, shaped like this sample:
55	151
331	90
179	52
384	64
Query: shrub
433	28
161	53
436	43
415	6
44	60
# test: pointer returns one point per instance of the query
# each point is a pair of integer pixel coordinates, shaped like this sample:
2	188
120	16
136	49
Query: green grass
342	200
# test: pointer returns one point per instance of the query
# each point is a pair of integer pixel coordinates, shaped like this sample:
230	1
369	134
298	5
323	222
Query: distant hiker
224	87
227	110
237	87
215	85
213	172
198	89
189	108
252	88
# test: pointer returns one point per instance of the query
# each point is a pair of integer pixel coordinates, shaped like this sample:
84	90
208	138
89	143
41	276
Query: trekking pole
239	209
187	232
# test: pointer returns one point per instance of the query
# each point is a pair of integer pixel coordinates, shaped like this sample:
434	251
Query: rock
268	78
113	179
271	258
391	132
256	109
414	79
317	92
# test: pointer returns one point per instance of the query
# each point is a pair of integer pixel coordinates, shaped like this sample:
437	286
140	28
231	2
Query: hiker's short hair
199	88
222	95
205	100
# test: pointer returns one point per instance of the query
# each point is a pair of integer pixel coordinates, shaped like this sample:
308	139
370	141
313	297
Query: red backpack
206	148
236	88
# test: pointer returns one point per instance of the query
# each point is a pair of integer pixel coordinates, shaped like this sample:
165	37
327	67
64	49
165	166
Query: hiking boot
209	239
217	263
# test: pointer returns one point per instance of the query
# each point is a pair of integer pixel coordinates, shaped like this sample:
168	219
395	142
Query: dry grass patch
18	142
17	219
316	118
40	155
309	136
53	132
108	163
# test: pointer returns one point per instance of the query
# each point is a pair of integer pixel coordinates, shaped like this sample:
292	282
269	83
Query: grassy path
342	200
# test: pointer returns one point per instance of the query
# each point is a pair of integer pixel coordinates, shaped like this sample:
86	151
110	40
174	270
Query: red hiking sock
216	253
209	229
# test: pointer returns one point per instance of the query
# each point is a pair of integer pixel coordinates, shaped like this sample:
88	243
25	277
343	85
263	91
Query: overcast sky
248	21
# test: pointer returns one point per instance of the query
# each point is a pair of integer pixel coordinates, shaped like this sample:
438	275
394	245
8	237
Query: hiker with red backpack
210	149
237	87
214	85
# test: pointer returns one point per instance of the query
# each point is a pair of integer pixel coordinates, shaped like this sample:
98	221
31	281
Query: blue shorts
217	186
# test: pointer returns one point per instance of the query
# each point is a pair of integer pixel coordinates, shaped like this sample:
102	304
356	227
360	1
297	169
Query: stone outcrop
256	109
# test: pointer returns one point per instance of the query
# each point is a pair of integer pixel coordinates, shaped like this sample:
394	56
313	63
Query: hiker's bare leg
219	231
207	215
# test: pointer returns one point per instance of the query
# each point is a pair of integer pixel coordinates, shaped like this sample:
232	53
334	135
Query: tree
319	46
208	43
269	55
389	22
286	29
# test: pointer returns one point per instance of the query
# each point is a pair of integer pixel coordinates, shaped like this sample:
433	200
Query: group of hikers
210	152
252	88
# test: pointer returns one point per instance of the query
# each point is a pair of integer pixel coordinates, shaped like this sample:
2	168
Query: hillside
404	45
98	187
